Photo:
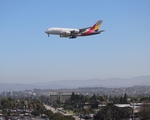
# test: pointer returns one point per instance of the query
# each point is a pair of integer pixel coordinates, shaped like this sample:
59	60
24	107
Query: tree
68	118
58	101
113	112
110	111
35	113
126	112
116	100
145	110
5	103
57	116
86	99
121	100
4	112
125	99
55	105
101	98
93	99
68	107
72	98
144	98
49	113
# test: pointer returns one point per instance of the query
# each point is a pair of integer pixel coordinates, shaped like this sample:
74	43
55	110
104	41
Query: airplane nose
45	31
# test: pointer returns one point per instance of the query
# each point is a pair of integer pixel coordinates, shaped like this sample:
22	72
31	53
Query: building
61	96
7	93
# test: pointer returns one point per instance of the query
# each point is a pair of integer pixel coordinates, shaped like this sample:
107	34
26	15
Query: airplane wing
74	34
83	29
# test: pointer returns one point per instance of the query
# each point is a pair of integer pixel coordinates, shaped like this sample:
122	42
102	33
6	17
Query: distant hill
111	82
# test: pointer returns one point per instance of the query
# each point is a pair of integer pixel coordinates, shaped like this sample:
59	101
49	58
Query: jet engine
63	36
67	33
76	31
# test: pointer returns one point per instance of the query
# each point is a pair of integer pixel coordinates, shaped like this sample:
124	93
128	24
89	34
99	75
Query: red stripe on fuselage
93	27
90	31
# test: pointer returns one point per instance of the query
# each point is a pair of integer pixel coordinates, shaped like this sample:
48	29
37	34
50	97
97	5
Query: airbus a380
73	33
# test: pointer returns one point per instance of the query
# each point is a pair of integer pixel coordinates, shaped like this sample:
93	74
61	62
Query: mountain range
69	84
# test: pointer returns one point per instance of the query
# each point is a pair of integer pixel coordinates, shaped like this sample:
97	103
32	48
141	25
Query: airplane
73	33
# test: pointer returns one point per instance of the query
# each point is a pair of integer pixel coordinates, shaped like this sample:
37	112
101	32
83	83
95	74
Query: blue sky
27	55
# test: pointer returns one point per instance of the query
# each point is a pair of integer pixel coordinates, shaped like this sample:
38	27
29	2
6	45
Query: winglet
96	26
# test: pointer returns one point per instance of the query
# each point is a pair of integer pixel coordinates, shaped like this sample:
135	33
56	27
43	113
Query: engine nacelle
67	33
76	31
63	36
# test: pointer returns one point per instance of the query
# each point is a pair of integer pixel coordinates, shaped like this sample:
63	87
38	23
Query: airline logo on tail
96	26
94	29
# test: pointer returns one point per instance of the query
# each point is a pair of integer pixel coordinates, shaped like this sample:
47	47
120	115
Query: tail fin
96	26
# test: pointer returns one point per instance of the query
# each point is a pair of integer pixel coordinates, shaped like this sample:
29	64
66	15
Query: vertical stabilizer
96	26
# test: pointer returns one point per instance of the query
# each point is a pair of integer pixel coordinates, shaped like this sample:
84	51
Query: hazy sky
27	55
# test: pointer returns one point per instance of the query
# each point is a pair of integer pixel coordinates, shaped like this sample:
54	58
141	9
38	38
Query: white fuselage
61	31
